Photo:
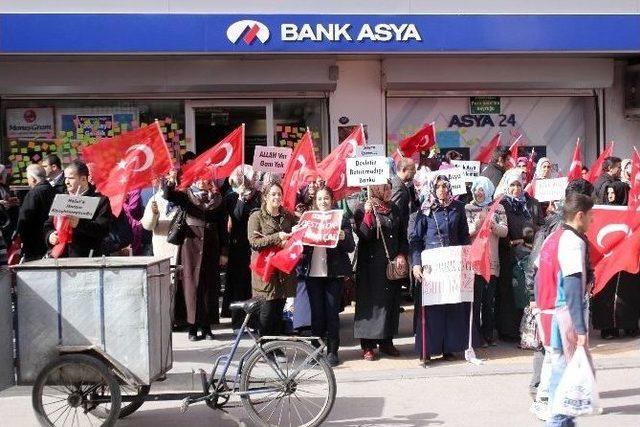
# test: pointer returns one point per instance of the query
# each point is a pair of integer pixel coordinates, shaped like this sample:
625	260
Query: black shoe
332	359
632	332
207	334
609	334
193	333
449	357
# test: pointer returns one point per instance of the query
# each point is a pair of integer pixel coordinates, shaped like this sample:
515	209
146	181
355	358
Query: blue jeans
325	299
559	364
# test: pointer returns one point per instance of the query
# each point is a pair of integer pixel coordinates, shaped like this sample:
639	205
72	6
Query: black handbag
178	228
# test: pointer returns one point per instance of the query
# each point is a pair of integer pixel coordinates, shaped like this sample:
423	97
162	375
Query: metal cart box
119	305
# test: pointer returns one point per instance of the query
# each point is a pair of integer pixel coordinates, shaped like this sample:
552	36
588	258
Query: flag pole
243	144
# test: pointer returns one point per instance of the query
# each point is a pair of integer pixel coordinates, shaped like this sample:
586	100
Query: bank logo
249	31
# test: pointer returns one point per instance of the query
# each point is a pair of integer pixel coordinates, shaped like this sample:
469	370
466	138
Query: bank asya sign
250	31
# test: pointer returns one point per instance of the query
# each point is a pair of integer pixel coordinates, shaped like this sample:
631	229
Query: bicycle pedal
184	405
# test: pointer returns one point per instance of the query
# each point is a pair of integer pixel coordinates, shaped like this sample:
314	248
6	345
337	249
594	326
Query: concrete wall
359	97
625	132
326	6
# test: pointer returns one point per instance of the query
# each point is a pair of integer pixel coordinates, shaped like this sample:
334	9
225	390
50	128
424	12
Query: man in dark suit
34	212
87	234
402	194
611	169
500	160
53	167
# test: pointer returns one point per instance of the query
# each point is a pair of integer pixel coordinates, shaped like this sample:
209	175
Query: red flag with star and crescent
217	162
334	167
300	167
575	170
420	141
486	151
288	257
261	264
596	168
127	162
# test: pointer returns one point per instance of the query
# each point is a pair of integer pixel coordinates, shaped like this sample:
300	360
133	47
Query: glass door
208	122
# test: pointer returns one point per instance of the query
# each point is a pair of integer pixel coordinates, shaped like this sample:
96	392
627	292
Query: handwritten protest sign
470	167
456	177
323	227
363	171
271	159
371	150
548	190
448	276
82	207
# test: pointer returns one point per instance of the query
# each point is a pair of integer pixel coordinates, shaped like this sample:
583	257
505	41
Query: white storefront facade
76	71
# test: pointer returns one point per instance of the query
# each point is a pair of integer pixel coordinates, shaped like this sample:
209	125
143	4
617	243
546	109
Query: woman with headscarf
523	211
617	306
243	199
199	253
544	170
378	298
156	218
484	293
441	222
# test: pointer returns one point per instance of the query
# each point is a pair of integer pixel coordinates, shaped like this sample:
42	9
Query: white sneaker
540	410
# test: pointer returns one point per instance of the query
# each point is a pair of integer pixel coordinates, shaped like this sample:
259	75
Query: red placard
323	227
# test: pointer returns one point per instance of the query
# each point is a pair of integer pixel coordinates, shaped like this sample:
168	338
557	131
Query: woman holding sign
324	270
441	222
378	223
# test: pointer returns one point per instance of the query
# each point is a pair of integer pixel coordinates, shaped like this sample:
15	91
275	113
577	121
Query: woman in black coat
243	199
200	253
523	211
324	270
377	298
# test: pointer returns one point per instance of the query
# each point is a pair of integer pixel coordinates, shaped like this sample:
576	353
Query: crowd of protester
228	222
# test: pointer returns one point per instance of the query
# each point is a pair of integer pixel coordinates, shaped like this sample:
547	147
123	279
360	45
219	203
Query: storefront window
550	124
292	117
33	129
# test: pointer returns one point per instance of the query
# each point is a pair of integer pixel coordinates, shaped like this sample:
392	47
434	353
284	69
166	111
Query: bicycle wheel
303	397
69	389
136	398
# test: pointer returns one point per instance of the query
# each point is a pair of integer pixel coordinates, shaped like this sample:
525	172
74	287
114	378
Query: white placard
371	150
549	190
30	123
271	159
448	276
363	171
83	207
456	177
470	167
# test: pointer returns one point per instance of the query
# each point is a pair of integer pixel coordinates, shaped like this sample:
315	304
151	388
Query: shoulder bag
178	228
395	271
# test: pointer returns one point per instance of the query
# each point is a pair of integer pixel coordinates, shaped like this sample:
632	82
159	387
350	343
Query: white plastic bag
577	393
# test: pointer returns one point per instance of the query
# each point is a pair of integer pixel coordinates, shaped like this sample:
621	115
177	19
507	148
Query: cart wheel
71	388
132	398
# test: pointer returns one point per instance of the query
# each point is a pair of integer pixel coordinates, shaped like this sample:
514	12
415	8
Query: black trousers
271	317
484	297
325	300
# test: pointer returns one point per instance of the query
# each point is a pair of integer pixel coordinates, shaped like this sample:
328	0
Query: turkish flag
596	169
531	164
485	153
218	161
334	167
634	193
300	167
64	232
610	226
127	162
480	248
575	170
420	141
261	265
514	150
624	257
288	257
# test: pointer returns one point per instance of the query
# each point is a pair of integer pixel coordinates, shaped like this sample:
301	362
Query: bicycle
283	378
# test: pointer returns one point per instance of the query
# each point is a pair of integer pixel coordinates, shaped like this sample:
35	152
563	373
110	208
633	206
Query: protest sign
470	167
371	150
82	207
363	171
549	190
271	159
456	177
323	227
447	275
